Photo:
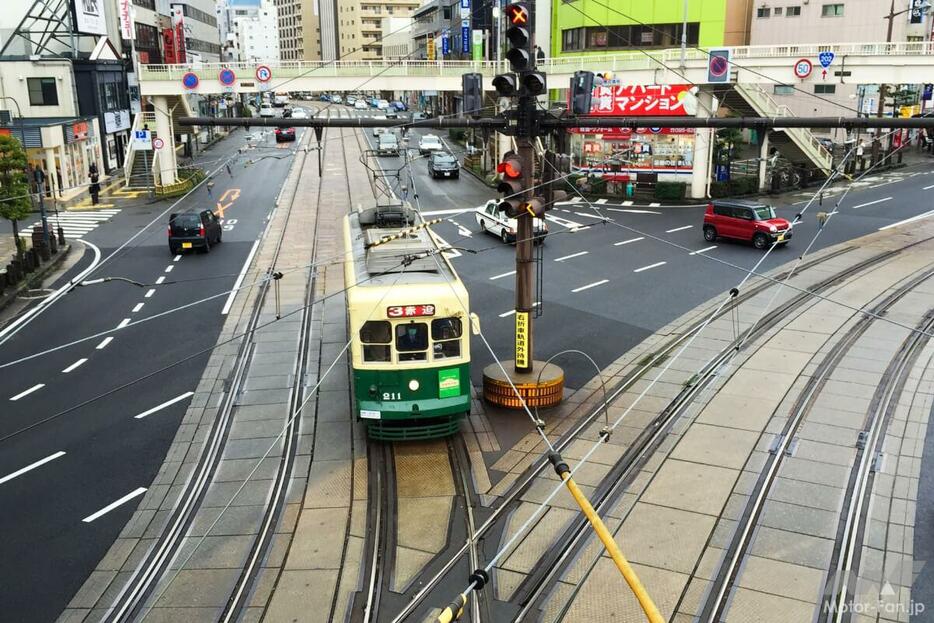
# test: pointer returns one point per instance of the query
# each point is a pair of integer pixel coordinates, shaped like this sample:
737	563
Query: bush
598	186
458	135
671	191
735	187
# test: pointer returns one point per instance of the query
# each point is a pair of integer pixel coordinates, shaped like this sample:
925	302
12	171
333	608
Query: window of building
793	11
832	10
627	37
763	11
783	89
42	91
146	4
825	89
778	11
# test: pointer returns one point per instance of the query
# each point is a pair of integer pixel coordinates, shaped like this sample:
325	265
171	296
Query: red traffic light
510	168
517	14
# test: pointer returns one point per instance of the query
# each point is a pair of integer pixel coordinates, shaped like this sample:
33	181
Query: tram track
157	563
729	569
551	566
460	466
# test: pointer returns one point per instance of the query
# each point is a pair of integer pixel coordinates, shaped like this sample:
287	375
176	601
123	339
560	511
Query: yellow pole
635	584
454	610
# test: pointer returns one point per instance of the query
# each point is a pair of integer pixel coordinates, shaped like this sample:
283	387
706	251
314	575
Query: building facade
249	30
359	25
396	33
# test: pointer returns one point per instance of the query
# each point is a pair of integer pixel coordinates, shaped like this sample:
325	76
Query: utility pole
684	37
880	109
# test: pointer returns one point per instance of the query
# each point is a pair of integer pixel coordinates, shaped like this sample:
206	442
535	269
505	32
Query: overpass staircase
134	163
796	144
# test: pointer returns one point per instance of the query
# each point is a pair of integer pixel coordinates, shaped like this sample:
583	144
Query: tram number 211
392	396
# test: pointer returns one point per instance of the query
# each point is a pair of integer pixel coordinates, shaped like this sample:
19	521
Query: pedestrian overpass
751	69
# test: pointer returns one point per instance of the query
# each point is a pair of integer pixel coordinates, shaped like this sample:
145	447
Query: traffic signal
519	20
472	91
511	184
506	85
581	92
534	82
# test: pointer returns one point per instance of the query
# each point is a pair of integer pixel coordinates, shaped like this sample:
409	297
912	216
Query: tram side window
412	341
376	336
446	333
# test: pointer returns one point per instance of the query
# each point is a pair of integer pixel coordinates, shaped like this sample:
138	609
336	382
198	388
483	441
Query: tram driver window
376	336
412	341
446	333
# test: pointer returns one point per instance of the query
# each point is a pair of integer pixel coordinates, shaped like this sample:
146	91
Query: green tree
15	203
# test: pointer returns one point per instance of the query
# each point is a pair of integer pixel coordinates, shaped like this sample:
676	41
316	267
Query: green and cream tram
409	325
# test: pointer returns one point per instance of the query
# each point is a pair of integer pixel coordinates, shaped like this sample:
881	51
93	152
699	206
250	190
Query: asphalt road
75	457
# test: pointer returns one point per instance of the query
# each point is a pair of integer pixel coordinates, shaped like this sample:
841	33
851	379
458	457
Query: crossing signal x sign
517	14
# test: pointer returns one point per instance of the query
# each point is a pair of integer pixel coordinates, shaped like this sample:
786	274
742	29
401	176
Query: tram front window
412	341
446	333
376	336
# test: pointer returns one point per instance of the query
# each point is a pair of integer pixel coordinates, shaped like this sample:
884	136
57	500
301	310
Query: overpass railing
555	65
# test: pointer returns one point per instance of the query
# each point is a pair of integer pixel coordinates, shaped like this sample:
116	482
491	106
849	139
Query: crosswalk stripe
74	225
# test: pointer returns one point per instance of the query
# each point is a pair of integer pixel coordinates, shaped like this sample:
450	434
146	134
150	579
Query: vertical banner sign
718	66
465	36
522	339
178	24
916	12
430	48
465	9
445	43
127	31
168	44
927	92
477	44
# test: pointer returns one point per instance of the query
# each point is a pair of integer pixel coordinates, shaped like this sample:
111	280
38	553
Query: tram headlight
413	385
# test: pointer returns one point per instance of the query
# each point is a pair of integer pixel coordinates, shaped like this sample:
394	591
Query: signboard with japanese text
89	17
465	37
80	130
142	140
477	44
410	311
430	48
626	133
178	24
168	45
116	121
522	339
916	12
446	43
127	31
627	100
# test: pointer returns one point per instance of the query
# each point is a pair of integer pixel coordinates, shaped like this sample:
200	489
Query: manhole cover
38	293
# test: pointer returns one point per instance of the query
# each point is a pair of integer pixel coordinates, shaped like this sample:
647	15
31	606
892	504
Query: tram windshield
412	341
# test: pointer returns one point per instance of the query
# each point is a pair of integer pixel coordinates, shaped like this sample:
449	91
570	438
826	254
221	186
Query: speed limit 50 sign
803	68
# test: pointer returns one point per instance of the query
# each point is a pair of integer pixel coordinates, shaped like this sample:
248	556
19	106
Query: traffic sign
142	140
263	73
227	77
803	68
718	66
190	80
158	143
826	58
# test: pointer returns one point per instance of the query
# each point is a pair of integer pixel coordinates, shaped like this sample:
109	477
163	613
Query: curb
7	298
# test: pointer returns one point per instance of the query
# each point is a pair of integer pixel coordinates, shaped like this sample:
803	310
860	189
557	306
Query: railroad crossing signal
511	184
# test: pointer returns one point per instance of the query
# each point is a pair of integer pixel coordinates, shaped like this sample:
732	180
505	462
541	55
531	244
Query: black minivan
190	230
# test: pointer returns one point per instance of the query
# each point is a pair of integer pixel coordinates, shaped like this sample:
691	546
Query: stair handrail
773	108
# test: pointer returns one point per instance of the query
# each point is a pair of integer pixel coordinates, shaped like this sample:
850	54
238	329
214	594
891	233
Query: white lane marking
113	505
575	199
169	268
12	328
600	201
908	220
160	280
461	230
177	257
123	323
136	308
32	389
494	277
563	222
671	231
633	211
655	265
149	293
31	466
884	183
74	365
871	203
512	312
703	250
928	187
591	215
239	281
443	212
627	203
165	404
591	285
107	340
567	257
622	242
446	249
654	204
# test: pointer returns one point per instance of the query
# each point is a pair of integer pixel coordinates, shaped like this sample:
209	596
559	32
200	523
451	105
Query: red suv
745	220
285	134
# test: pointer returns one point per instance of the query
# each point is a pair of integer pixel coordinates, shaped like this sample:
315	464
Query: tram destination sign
410	311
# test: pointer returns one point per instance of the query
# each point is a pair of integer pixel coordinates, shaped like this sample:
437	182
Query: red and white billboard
636	100
178	24
612	134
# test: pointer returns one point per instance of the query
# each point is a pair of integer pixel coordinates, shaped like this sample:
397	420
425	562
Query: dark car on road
193	230
745	220
285	134
443	164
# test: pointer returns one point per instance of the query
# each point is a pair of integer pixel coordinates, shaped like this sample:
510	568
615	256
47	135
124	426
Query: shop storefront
623	154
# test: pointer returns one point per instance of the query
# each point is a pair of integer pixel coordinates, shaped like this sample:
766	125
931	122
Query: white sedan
299	113
429	143
360	105
494	221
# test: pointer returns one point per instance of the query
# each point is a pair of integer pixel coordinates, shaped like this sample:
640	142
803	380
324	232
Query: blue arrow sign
826	58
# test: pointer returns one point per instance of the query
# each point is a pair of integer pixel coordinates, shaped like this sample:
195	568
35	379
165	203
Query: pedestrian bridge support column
700	173
763	159
165	157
